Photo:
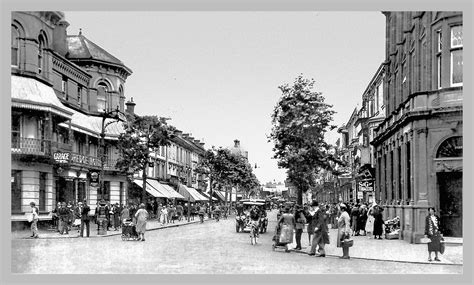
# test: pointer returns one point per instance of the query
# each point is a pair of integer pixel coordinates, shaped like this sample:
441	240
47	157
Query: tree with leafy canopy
225	169
300	121
143	134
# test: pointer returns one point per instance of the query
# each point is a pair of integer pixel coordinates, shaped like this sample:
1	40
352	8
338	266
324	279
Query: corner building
61	88
418	147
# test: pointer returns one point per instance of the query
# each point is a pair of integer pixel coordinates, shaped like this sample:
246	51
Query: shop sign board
360	195
366	186
74	158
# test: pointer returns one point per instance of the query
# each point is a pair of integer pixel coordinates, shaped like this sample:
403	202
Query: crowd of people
350	219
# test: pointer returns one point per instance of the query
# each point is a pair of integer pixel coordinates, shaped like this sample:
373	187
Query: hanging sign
94	179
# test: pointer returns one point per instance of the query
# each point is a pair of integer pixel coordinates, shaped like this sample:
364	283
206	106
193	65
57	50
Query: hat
102	202
80	203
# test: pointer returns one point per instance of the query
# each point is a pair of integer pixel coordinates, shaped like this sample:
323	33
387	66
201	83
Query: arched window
41	46
102	96
451	147
15	46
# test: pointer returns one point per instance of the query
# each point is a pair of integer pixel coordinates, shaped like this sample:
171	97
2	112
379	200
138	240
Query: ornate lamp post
115	115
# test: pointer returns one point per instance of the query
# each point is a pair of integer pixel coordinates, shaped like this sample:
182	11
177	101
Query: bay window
456	56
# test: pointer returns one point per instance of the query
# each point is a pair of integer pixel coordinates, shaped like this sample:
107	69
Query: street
209	248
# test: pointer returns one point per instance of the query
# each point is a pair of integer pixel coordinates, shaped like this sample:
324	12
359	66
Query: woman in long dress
141	215
287	225
369	226
344	229
378	222
432	232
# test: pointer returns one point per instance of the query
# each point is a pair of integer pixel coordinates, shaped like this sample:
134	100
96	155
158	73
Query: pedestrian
321	231
85	220
34	220
141	215
124	214
164	215
286	223
55	216
116	217
369	225
378	222
343	232
362	219
312	209
432	231
132	211
179	211
300	222
354	220
64	214
70	219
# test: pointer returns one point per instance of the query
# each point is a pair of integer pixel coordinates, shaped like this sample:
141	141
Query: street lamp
113	114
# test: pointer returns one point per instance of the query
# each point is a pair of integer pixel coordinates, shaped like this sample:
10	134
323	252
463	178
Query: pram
276	239
129	231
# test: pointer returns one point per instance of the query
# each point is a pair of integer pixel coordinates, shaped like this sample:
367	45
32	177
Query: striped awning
152	191
29	93
168	191
191	193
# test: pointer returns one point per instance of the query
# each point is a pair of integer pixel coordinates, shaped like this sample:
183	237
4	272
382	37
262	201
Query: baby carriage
129	231
276	239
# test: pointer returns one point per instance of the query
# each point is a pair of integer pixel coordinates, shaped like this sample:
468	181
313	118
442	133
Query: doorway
450	203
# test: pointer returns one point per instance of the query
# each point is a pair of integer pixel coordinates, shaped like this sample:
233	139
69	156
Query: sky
216	74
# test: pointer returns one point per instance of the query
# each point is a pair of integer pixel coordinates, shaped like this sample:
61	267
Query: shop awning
191	193
92	125
152	191
221	195
29	93
168	191
207	196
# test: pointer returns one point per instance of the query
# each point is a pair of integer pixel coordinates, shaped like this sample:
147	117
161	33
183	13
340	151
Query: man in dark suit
85	220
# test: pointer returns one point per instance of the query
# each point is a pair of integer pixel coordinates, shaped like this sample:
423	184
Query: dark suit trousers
87	224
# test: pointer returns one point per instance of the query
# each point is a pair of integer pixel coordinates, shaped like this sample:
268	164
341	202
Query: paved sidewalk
388	250
74	233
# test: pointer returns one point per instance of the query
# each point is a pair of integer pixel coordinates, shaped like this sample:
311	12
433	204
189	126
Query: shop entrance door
450	198
81	191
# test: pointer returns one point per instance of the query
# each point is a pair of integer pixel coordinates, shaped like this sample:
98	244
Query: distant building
238	149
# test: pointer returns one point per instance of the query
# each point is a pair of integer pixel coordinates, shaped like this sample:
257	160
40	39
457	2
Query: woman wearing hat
378	222
343	232
141	215
432	232
287	224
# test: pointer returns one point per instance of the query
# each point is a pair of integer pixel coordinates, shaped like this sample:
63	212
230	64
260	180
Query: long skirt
141	226
340	233
321	237
369	225
435	244
286	235
378	227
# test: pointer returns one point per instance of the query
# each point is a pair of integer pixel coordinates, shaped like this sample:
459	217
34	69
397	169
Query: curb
112	234
386	260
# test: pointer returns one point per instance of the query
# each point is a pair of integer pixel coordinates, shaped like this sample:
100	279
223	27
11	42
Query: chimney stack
130	107
60	37
236	143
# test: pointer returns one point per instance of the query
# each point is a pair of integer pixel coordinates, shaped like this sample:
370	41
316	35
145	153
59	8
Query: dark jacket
85	213
430	229
64	214
321	220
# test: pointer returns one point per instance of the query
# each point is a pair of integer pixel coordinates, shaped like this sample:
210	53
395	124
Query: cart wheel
123	238
273	246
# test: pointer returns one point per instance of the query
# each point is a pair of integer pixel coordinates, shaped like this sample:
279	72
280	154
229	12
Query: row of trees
300	121
226	170
144	134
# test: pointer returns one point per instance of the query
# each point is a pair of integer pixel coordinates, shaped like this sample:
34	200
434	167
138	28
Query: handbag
425	240
348	242
441	246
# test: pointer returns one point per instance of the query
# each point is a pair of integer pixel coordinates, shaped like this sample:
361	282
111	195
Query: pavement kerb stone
386	260
118	233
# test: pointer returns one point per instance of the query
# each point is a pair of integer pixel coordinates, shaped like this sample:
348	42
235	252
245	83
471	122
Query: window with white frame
439	48
456	56
15	46
41	46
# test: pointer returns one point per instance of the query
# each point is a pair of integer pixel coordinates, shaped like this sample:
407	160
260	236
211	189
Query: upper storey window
102	94
456	56
15	43
41	46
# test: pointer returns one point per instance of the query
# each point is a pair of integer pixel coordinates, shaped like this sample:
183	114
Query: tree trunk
299	197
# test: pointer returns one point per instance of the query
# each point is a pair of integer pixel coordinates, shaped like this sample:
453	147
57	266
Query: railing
61	146
30	146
